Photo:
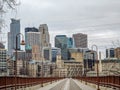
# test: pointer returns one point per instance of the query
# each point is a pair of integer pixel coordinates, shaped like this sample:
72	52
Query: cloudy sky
100	19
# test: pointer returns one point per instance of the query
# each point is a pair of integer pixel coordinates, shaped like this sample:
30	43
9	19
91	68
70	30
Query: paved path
61	86
83	86
48	87
74	86
67	84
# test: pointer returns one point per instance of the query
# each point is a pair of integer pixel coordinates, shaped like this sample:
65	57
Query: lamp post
15	63
85	68
97	65
42	73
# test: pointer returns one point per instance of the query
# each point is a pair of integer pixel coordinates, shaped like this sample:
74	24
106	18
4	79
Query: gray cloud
100	19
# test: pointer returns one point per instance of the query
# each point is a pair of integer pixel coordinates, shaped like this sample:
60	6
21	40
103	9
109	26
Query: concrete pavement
83	86
50	86
67	84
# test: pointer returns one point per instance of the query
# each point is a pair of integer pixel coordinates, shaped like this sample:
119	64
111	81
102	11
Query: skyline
99	19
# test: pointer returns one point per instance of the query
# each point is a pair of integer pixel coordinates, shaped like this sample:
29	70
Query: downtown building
33	42
70	42
3	61
110	53
117	52
38	45
14	30
80	40
45	42
29	30
61	41
55	51
67	68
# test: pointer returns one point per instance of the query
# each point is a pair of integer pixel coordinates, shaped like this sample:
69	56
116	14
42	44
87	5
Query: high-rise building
33	38
80	40
45	39
33	41
61	42
110	53
14	30
29	29
70	42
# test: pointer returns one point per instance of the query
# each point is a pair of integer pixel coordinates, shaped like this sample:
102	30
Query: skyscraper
61	42
33	41
14	30
33	38
29	29
80	40
45	40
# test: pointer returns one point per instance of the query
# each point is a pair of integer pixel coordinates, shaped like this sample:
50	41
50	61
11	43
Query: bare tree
6	5
116	43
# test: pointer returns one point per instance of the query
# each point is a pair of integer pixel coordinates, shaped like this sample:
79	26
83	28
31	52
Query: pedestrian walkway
83	86
48	87
67	84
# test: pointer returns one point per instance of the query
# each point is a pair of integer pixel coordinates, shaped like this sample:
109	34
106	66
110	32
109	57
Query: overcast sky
100	19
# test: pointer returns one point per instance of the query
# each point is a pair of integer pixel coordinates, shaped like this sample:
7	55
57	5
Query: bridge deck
67	84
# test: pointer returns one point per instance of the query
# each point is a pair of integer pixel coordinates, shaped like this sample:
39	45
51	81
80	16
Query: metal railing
23	82
106	81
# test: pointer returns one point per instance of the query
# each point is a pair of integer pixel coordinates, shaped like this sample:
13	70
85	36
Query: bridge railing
107	81
9	82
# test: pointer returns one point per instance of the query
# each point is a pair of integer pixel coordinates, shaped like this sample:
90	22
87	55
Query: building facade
55	51
33	38
117	52
47	53
90	57
110	53
80	40
3	62
45	39
29	29
61	42
70	42
111	67
74	68
14	30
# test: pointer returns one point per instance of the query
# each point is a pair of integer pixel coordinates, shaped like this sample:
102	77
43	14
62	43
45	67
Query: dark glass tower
61	42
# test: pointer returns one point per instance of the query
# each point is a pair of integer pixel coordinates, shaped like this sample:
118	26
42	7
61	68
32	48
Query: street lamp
15	63
97	65
85	67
